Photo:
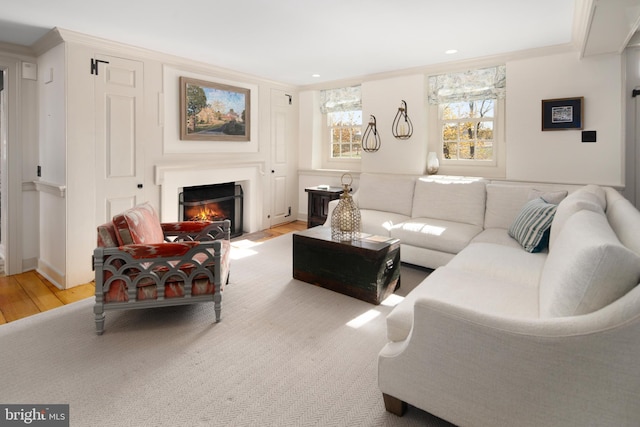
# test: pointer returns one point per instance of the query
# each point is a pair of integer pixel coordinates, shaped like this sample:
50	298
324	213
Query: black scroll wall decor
371	138
402	127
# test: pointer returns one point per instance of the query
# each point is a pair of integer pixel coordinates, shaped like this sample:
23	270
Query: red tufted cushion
138	225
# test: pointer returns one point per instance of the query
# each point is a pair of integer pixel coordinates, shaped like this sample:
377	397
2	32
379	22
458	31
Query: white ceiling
289	40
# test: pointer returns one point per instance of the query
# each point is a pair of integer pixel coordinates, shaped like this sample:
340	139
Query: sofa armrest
474	368
196	230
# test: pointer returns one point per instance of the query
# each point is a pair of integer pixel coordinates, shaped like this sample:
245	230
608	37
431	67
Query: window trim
470	162
329	162
484	83
495	168
348	98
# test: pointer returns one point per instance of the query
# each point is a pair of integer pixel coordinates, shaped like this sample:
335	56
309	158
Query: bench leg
394	405
99	317
217	305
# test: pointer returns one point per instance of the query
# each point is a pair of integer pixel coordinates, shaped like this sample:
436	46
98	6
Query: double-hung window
342	109
469	110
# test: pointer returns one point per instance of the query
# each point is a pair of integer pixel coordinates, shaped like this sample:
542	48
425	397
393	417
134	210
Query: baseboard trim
51	274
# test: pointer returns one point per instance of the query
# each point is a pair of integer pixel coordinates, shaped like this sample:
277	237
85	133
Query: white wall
531	155
382	98
560	156
310	131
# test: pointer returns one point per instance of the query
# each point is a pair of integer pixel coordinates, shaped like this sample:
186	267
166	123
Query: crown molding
47	42
582	19
60	35
16	49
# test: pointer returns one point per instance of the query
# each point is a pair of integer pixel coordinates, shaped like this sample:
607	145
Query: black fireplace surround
214	202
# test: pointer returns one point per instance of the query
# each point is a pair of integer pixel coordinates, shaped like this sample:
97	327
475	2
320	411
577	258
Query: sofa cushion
379	222
390	193
503	204
458	200
574	202
138	225
501	262
498	236
435	234
587	269
465	289
532	223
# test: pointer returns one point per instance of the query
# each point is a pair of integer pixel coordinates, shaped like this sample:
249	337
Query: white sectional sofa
498	335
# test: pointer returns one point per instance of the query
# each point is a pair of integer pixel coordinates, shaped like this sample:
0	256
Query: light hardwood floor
26	294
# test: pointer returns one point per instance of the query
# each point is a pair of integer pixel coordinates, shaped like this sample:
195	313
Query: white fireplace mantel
172	178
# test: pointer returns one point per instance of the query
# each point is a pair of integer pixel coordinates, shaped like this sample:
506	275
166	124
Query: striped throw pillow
532	225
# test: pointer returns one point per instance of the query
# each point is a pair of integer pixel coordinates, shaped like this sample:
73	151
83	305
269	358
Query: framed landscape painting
213	111
564	113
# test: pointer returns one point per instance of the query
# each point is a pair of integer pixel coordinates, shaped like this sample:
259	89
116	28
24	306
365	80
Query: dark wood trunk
367	268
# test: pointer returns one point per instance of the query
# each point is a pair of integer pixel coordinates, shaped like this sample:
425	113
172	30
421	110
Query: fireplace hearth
214	202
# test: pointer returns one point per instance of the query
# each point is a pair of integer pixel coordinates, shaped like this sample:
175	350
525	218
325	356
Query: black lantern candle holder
402	127
371	139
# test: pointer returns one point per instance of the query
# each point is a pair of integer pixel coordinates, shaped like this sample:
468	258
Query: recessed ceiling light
450	51
315	75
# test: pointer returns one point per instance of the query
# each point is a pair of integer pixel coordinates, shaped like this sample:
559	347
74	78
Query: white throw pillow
587	269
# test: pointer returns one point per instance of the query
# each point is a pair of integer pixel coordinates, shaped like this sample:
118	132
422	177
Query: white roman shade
341	99
471	85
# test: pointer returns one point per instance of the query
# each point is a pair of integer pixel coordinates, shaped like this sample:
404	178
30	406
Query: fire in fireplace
214	202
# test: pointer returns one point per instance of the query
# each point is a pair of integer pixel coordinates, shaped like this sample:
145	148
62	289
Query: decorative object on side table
371	139
562	114
402	127
433	164
345	219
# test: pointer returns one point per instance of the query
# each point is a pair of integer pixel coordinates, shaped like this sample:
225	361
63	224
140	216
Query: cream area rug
286	353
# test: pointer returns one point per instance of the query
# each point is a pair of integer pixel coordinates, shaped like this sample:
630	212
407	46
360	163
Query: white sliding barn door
119	146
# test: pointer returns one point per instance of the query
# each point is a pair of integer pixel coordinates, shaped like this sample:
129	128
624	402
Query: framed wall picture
562	114
213	111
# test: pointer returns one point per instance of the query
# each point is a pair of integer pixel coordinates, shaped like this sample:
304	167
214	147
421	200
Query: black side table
318	204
